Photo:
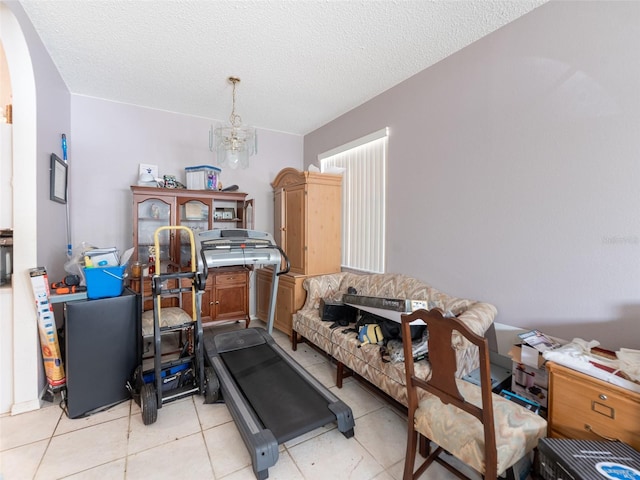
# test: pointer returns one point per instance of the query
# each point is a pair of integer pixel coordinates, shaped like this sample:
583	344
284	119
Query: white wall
108	142
20	366
514	171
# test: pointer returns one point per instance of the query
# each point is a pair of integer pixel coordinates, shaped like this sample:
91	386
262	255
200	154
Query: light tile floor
202	442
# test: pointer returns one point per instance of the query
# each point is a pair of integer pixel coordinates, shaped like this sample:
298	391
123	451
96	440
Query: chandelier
234	143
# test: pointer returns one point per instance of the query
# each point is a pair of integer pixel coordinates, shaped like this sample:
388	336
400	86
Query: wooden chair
485	431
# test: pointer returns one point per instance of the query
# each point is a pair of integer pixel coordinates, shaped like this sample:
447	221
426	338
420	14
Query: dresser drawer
231	278
224	276
584	407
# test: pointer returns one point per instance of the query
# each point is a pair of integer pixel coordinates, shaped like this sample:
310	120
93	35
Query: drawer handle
589	428
603	409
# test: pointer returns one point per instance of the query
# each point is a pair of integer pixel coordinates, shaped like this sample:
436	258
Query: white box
202	177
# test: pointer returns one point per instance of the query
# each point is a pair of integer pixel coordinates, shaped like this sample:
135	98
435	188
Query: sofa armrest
321	286
478	317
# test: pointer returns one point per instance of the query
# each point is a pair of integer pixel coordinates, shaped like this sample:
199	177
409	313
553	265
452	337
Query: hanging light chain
234	119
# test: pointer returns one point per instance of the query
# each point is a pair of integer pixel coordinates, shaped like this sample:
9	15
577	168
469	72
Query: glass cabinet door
195	214
152	214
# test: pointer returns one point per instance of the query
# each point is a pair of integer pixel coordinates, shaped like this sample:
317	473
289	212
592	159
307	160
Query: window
364	163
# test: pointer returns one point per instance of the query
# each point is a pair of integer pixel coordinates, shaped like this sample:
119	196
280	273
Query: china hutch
226	296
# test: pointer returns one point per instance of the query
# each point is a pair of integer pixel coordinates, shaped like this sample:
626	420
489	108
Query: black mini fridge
102	350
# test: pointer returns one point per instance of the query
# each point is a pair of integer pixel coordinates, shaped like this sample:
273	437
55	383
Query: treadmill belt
285	403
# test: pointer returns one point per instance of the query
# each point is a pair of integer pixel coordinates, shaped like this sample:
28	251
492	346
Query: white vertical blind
363	199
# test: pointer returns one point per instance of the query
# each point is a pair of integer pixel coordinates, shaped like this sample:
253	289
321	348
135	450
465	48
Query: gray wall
514	171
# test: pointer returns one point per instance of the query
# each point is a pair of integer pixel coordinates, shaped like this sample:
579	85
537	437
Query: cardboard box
530	379
51	354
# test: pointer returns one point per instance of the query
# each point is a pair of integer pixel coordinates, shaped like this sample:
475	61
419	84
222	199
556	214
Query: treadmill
270	396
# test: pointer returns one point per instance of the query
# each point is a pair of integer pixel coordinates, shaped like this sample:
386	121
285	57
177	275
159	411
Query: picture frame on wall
58	177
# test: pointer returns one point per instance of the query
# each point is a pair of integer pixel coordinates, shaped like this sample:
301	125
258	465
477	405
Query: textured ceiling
302	63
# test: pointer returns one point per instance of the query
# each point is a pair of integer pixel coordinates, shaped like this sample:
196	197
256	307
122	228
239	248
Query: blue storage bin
103	282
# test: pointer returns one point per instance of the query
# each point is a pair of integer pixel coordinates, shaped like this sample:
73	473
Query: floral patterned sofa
365	359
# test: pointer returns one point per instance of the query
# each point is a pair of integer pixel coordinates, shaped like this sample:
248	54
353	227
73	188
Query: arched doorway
26	369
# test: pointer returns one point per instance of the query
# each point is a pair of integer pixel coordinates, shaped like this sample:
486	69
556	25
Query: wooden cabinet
291	297
308	220
307	226
226	296
230	294
585	407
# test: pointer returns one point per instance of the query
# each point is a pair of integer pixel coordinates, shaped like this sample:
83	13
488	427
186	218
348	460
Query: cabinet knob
217	302
602	396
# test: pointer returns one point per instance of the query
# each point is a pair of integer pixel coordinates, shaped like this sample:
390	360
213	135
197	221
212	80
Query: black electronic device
337	312
586	459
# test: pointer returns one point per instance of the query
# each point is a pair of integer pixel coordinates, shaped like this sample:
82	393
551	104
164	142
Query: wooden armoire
308	227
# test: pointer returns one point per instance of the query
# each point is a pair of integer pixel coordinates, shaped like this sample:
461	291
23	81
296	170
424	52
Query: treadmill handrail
286	261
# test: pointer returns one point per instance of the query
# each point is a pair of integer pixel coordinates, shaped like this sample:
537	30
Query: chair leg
410	457
294	340
424	445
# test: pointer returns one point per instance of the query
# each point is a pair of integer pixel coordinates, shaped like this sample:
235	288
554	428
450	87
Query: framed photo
58	186
224	214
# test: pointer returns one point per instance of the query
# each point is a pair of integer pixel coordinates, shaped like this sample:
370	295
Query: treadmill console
219	248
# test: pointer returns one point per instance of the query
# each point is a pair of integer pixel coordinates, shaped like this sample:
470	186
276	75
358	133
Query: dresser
585	407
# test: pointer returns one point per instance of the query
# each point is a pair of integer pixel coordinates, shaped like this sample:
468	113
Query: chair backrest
442	382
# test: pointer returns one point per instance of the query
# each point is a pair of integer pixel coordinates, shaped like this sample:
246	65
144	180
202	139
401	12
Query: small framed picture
58	179
224	214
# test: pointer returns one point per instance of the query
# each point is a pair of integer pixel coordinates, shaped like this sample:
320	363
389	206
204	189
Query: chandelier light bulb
232	159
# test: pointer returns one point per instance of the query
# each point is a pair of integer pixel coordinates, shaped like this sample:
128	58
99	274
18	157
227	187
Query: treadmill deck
285	403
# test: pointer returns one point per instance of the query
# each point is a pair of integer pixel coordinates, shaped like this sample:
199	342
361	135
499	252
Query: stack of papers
538	340
107	257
